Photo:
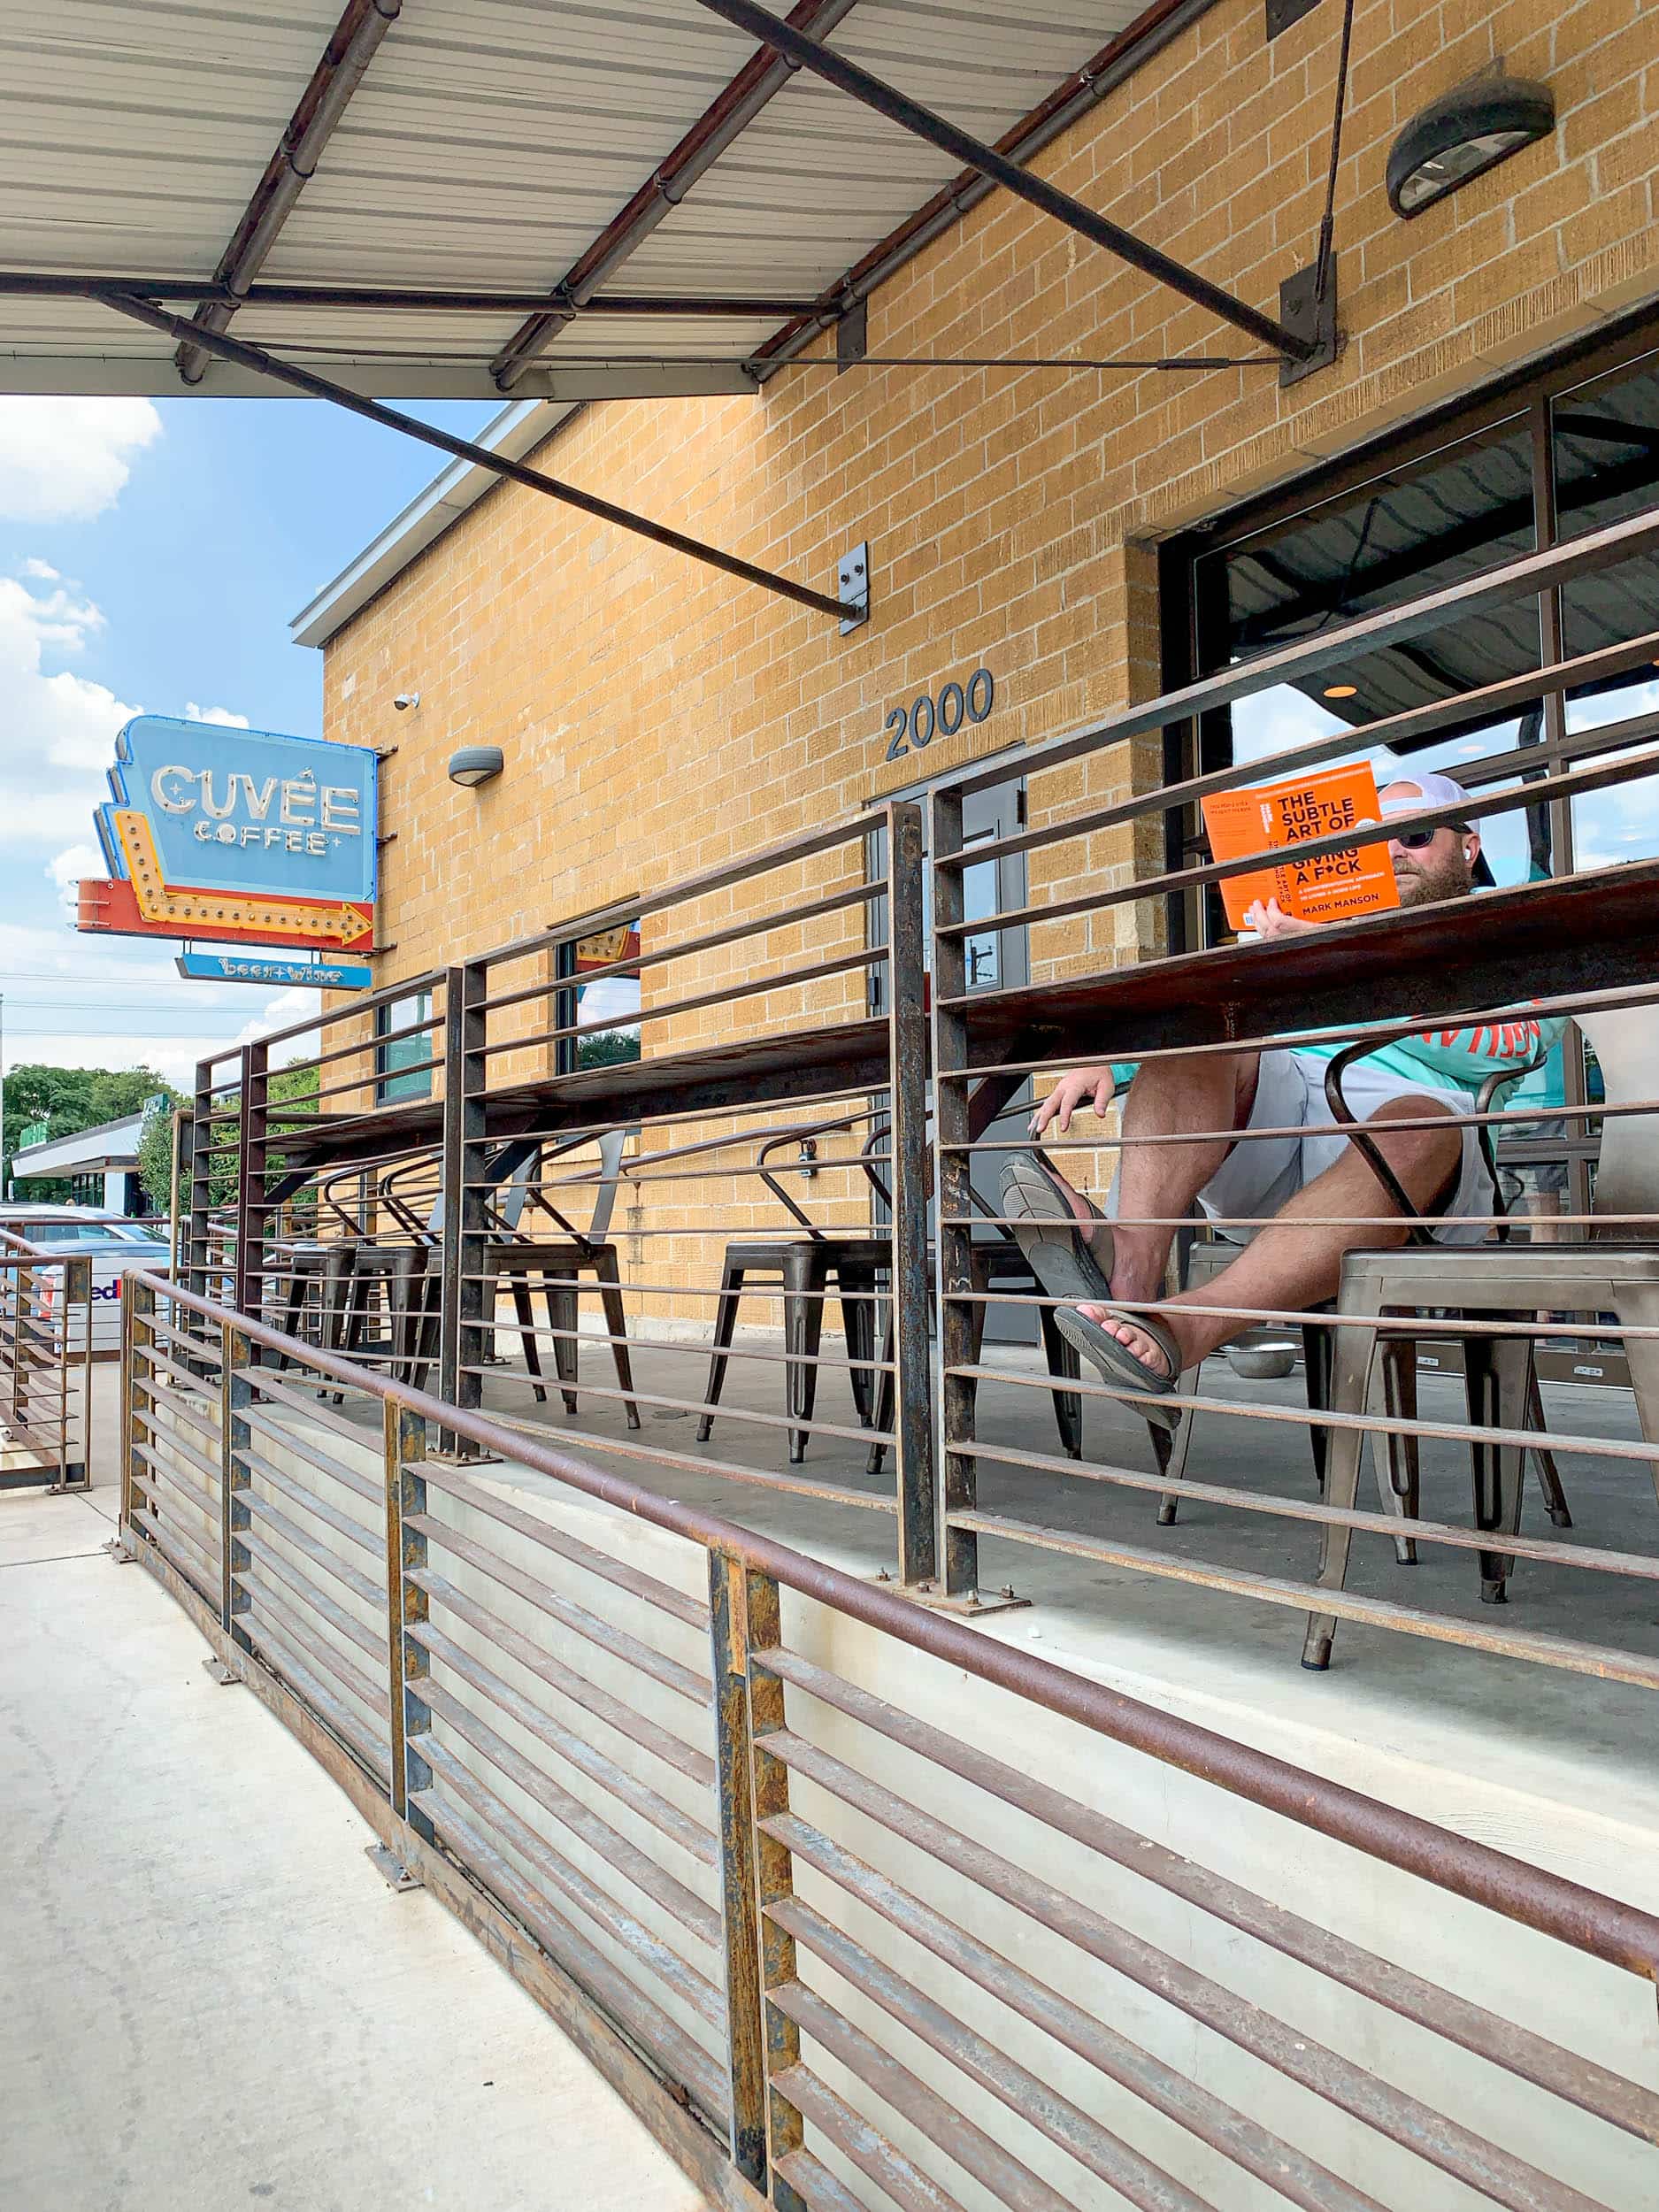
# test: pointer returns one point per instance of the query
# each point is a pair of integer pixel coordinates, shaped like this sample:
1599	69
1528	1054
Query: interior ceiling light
1342	691
474	765
1464	132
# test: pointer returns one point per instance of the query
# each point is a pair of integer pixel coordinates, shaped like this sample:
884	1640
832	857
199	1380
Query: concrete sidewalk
211	1996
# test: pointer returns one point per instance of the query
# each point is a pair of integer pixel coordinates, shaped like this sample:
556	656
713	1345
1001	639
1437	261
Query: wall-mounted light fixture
1464	133
475	765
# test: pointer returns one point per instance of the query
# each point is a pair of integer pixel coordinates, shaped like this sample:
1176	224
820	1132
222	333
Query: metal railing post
181	1189
23	1279
907	1059
728	1611
251	1131
954	1238
404	1440
235	1395
138	1335
774	1870
463	1331
199	1148
72	1473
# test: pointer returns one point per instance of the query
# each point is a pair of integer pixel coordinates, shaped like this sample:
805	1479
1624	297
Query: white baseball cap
1434	790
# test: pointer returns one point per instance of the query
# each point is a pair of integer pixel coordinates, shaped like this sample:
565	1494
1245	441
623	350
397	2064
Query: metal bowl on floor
1265	1360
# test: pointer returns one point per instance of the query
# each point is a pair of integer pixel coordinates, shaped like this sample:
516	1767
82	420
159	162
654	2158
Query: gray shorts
1262	1175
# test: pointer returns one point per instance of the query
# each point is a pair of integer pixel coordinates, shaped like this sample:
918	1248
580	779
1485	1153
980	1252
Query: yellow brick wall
658	717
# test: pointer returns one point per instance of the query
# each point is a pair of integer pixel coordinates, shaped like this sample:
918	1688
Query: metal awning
1463	511
111	1145
573	201
594	199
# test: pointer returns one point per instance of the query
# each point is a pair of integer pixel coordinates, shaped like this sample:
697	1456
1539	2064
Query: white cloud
66	460
67	870
224	716
42	571
282	1012
56	729
611	995
1269	721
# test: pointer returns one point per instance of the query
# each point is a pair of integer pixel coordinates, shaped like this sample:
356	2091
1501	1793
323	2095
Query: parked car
113	1242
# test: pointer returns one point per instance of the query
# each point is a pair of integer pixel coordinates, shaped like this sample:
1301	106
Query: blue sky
150	556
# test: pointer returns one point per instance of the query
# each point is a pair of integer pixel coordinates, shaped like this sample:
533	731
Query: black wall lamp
1464	133
475	765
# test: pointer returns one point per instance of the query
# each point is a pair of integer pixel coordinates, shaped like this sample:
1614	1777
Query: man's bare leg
1159	1182
1208	1092
1295	1264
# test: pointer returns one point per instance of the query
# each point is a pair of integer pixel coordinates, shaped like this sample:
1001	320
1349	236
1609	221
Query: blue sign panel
232	967
248	810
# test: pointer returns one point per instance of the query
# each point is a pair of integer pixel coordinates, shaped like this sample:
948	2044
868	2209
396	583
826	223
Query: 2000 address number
927	717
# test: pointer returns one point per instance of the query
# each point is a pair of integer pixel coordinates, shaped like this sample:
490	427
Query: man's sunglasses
1414	841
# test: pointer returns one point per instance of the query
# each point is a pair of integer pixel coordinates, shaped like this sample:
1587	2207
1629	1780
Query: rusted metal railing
842	1893
46	1350
819	1075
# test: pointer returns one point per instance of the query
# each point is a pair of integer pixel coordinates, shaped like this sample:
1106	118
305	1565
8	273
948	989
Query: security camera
406	699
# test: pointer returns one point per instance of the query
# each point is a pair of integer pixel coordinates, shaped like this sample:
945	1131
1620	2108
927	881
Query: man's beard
1447	878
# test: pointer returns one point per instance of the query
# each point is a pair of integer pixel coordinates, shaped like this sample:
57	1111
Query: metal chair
996	1262
1398	1464
803	1267
1397	1361
323	1264
397	1271
559	1262
1509	1281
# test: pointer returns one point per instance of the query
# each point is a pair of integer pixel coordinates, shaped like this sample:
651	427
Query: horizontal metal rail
513	1670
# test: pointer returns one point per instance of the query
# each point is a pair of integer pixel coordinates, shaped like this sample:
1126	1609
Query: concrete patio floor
212	1998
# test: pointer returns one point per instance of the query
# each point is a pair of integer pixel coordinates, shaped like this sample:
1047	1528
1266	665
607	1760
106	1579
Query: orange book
1332	886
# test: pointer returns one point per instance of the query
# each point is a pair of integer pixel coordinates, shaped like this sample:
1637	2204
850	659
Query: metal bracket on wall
852	585
1282	14
852	336
1304	312
215	1670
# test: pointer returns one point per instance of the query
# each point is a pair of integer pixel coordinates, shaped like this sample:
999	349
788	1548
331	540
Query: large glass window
1571	452
1605	445
1420	526
398	1069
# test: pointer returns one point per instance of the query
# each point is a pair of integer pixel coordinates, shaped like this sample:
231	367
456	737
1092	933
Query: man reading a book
1295	1203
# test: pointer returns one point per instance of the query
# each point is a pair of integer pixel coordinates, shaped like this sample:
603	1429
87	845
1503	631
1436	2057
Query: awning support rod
352	46
255	359
846	76
50	284
720	124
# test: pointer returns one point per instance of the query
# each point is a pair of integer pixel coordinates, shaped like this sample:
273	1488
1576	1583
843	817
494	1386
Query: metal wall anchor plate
215	1670
852	585
972	1605
1304	312
391	1868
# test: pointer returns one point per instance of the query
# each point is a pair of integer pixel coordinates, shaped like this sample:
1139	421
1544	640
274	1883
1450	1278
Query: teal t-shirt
1445	1059
1546	1087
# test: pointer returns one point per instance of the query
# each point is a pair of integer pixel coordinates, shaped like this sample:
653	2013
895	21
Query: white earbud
1469	856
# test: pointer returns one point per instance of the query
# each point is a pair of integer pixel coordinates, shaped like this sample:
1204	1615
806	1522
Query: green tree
290	1101
609	1048
66	1101
155	1159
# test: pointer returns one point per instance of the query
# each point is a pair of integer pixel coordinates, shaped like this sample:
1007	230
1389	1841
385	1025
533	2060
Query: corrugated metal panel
489	143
